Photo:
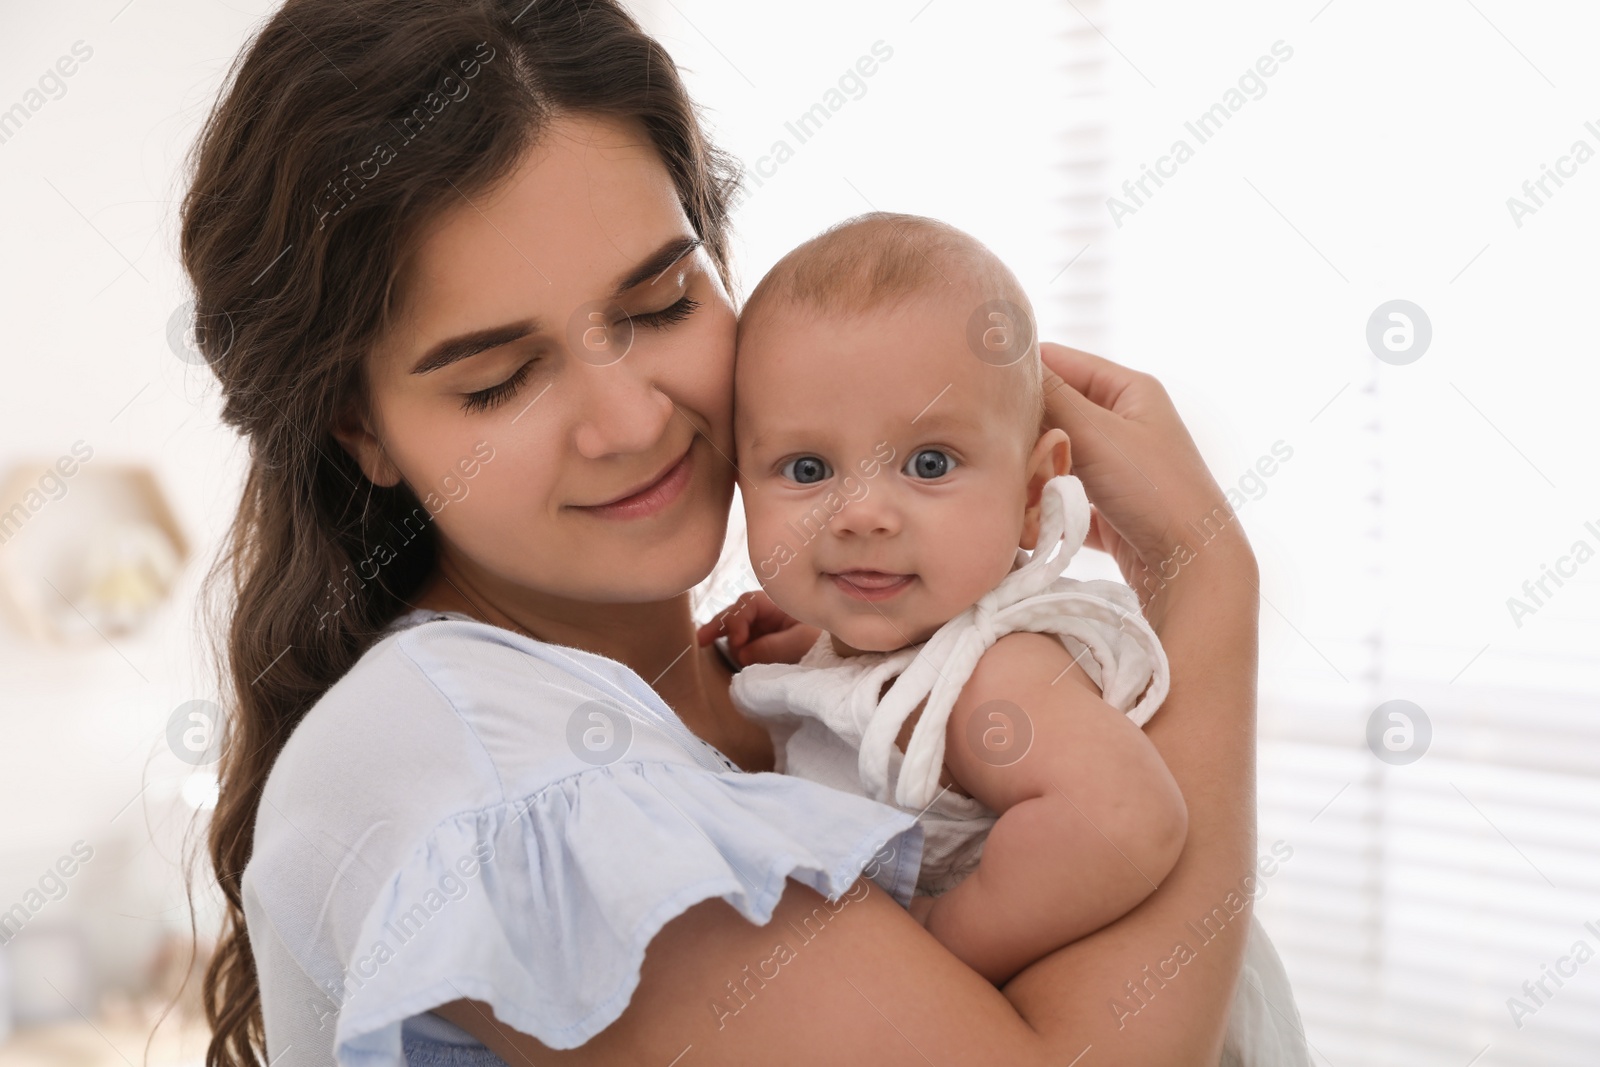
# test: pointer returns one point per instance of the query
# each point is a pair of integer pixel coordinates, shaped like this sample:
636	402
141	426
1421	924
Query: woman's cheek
453	488
712	352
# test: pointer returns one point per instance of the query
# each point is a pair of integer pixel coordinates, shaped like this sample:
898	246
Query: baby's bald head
882	260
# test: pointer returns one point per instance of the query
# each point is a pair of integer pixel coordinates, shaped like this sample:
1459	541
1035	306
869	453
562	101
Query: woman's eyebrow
471	344
657	263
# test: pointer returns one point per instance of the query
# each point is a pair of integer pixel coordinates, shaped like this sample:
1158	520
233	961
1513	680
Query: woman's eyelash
668	315
488	398
484	399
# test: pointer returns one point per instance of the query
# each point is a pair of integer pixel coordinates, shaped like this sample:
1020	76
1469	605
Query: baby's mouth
870	585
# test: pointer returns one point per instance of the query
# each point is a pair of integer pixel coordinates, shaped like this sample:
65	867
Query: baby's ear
1051	457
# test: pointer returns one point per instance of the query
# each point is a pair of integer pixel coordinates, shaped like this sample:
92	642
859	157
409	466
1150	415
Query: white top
832	725
469	812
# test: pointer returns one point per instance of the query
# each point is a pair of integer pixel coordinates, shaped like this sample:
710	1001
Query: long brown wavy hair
344	127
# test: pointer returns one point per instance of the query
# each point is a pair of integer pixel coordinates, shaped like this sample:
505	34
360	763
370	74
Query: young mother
477	760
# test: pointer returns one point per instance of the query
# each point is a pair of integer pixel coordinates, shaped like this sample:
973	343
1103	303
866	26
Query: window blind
1431	910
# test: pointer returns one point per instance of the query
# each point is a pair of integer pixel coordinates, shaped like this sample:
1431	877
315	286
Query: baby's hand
759	631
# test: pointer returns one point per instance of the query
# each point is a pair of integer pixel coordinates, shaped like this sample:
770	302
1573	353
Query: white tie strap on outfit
1100	616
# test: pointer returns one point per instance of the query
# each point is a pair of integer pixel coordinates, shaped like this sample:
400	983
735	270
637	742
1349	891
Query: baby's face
885	468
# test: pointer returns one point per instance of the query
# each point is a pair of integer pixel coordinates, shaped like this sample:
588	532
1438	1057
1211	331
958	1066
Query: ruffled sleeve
543	908
438	828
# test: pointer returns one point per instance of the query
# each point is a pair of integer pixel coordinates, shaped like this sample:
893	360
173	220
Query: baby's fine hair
881	259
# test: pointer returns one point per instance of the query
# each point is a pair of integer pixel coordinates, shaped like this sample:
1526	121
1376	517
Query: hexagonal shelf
85	549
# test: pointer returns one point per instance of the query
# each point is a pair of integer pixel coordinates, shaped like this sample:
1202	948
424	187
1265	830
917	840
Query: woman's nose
622	411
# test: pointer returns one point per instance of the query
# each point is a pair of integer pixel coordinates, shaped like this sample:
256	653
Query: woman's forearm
1147	989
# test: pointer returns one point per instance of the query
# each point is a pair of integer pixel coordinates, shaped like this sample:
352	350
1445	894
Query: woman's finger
1068	408
1093	538
1103	383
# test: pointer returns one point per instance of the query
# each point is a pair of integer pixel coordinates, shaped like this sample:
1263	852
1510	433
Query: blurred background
1355	239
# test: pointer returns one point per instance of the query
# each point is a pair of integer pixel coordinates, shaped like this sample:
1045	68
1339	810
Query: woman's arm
1154	990
859	981
1151	989
854	982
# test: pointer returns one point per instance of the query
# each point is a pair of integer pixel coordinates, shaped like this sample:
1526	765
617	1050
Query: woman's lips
871	585
653	498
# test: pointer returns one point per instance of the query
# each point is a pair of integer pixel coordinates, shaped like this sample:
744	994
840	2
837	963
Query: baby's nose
871	513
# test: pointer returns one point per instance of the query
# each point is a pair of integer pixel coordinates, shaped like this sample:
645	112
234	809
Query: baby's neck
845	651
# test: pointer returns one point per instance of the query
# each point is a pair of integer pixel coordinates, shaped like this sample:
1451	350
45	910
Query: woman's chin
659	564
671	567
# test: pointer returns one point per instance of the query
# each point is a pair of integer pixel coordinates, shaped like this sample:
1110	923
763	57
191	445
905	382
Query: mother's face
558	389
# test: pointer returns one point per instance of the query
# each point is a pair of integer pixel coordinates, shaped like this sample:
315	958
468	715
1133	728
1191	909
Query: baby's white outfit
832	722
830	725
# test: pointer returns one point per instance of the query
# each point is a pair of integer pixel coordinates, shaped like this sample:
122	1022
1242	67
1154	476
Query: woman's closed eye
484	399
672	313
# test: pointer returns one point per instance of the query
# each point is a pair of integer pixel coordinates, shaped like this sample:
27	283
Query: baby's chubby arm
1090	819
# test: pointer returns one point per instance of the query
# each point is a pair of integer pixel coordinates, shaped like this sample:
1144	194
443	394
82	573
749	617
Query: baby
902	494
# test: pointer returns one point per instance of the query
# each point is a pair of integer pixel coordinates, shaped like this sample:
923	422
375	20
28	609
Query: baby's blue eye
806	470
929	463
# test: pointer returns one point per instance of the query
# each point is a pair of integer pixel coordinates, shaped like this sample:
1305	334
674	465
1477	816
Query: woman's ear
356	438
1051	457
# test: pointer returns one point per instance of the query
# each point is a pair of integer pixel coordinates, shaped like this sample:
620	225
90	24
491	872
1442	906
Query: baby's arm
1090	817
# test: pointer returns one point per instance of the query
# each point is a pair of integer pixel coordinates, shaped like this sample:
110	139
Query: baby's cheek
785	592
775	561
764	557
972	565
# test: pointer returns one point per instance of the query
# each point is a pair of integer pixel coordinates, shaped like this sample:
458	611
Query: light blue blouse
469	812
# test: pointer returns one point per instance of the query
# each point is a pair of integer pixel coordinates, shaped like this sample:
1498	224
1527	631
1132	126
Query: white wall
1378	165
90	183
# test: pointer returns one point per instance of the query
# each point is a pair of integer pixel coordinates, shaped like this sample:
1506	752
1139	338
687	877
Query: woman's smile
651	498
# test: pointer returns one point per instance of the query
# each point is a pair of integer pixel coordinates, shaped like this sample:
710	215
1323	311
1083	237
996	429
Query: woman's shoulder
445	715
473	701
496	852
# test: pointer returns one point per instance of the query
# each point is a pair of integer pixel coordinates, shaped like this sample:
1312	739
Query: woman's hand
1156	506
759	631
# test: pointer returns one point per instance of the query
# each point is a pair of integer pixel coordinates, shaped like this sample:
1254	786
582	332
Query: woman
462	273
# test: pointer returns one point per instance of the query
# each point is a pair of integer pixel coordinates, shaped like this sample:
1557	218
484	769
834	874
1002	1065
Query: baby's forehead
923	331
882	311
903	362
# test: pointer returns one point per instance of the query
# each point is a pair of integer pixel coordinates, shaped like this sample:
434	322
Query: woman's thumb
1065	406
